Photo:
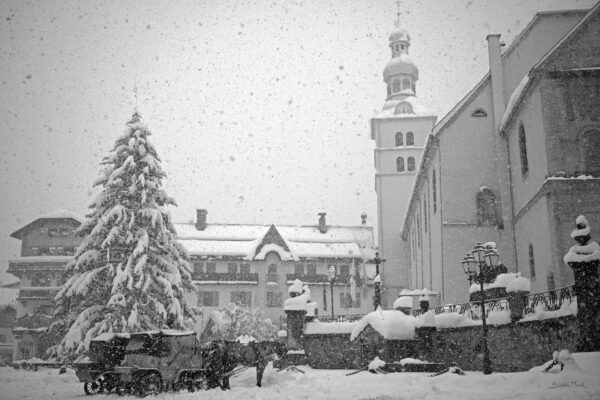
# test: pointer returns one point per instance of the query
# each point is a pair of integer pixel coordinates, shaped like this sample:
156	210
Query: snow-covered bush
236	321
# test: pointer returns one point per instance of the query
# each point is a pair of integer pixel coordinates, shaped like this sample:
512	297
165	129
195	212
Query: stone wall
513	347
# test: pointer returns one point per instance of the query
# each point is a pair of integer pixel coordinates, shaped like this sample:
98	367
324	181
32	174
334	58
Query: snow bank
391	324
540	312
329	328
403	302
376	364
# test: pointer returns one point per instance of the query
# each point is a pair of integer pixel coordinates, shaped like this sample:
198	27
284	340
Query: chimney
496	73
201	219
322	223
363	218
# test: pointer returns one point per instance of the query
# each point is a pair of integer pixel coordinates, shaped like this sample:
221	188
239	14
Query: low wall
513	347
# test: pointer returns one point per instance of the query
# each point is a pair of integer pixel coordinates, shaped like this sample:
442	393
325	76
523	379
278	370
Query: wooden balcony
323	278
225	277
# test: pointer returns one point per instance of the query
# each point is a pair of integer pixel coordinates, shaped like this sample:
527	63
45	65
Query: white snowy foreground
576	381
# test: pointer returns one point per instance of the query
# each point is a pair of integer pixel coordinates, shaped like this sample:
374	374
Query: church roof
390	108
399	34
401	64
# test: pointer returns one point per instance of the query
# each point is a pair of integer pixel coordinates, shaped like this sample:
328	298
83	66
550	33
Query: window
35	251
531	262
272	273
52	251
395	86
389	90
425	211
346	300
274	299
402	46
232	268
65	232
44	231
311	270
410	139
241	298
245	269
299	269
589	147
479	113
405	83
44	251
399	139
2	338
52	232
550	280
60	251
198	268
487	209
208	298
344	270
69	251
434	193
411	163
403	108
523	151
211	267
40	279
400	164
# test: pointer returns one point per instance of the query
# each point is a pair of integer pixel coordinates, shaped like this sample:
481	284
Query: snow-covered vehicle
161	360
97	369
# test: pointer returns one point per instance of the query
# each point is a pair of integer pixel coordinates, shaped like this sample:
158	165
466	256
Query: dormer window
404	108
479	112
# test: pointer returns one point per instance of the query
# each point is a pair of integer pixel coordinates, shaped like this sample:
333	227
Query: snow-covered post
584	259
517	290
295	310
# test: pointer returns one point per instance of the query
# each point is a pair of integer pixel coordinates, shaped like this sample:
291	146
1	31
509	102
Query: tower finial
398	14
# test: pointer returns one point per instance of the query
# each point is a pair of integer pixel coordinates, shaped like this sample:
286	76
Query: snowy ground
572	383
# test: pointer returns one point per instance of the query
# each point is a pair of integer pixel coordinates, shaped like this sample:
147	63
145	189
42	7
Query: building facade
495	168
254	265
48	243
399	131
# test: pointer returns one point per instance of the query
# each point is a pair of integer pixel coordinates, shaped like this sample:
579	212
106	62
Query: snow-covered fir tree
129	274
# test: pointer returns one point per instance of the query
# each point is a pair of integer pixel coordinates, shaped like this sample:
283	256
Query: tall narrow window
425	211
523	151
272	273
400	164
531	262
550	279
405	83
434	193
410	139
411	162
399	141
389	90
395	86
589	150
487	208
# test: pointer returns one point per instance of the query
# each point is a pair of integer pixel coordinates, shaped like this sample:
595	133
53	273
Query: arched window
400	164
589	151
523	150
434	187
403	108
411	163
389	90
531	262
399	140
487	208
410	139
405	83
395	85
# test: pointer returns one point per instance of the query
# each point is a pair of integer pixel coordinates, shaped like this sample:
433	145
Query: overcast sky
259	109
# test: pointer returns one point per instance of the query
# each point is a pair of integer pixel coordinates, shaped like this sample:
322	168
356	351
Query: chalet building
8	317
514	162
48	243
254	265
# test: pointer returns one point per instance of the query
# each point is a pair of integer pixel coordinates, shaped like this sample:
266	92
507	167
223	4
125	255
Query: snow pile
586	250
296	287
453	320
329	328
519	284
403	302
245	339
390	324
376	364
409	360
301	302
502	280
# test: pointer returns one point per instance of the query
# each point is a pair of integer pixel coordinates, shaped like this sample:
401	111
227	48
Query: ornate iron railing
323	278
225	277
552	300
340	318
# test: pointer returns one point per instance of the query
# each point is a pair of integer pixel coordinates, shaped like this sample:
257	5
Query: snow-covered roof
403	302
391	324
58	214
8	296
164	332
513	102
418	292
329	328
418	109
303	241
107	337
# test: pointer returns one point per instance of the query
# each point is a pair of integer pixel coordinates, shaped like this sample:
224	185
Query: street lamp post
479	266
331	273
377	280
